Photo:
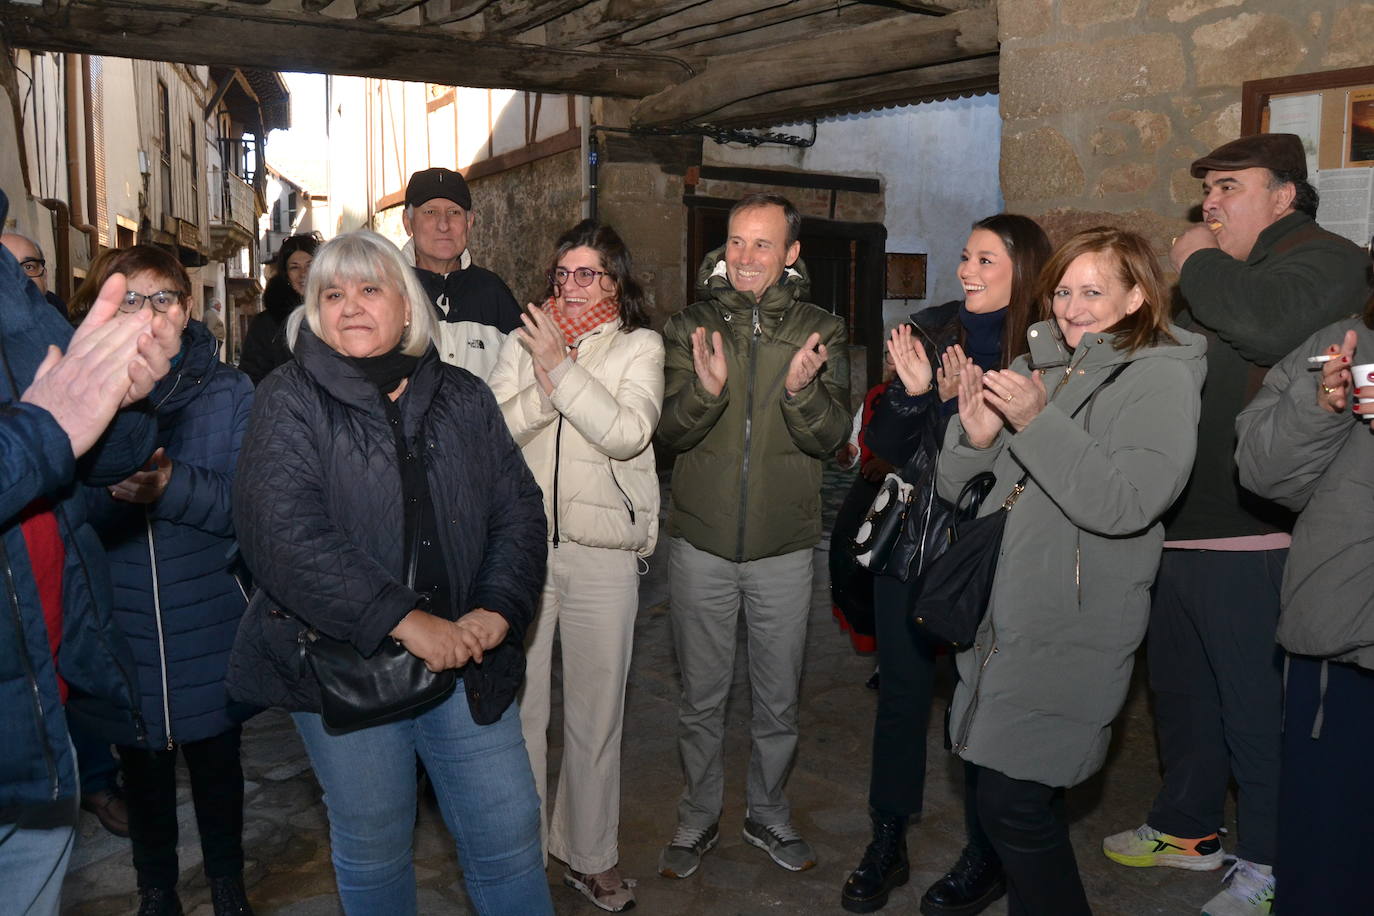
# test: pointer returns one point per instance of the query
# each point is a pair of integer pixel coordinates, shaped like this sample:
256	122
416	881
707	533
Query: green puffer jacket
746	482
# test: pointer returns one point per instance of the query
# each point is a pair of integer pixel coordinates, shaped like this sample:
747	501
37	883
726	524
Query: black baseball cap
428	184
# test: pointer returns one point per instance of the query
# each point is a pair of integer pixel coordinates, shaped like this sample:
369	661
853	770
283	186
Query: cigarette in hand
1324	358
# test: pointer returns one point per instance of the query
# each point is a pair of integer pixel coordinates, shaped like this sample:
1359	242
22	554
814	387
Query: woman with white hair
385	499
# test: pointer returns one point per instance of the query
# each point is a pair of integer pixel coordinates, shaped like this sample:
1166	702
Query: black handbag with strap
956	588
356	690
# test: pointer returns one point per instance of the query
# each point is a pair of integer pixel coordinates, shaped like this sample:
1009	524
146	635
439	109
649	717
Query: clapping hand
909	359
1017	398
806	363
947	373
981	423
544	340
148	485
708	358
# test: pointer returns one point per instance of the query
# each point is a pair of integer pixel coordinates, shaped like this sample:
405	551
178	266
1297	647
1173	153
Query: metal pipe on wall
70	71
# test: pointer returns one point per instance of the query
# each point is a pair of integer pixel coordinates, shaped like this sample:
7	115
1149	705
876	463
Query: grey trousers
707	595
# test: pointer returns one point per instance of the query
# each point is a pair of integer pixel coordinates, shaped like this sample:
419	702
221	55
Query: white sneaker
1249	891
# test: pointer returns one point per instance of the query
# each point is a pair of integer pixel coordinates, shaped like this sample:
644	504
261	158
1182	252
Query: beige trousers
591	597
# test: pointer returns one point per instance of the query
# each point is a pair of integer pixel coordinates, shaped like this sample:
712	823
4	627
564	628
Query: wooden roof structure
687	62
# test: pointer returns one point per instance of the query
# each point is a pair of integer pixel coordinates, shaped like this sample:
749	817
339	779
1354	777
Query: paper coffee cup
1363	374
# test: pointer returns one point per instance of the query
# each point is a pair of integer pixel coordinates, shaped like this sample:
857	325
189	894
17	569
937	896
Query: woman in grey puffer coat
1052	659
1303	445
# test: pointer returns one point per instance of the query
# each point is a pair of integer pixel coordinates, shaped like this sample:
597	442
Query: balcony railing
234	204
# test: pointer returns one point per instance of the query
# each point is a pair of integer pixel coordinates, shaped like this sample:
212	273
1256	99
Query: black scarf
386	371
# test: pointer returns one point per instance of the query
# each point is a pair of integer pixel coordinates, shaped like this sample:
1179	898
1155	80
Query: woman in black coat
264	346
365	437
998	268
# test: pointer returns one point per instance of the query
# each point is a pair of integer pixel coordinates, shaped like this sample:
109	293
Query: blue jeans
33	864
482	778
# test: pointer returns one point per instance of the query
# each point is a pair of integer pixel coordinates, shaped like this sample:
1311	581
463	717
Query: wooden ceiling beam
800	19
906	87
605	19
888	46
508	18
203	33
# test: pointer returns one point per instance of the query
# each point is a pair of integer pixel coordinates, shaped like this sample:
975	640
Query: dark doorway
845	262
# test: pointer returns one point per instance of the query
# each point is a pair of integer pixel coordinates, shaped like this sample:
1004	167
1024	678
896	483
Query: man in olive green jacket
756	397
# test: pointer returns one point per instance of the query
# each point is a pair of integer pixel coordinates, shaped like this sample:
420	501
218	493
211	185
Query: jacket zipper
748	429
629	503
161	641
557	452
961	744
21	644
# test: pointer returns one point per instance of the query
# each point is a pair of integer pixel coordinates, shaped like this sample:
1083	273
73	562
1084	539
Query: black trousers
1216	676
906	660
1025	822
150	787
1326	795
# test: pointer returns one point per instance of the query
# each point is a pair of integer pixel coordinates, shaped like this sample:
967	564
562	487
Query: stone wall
1106	102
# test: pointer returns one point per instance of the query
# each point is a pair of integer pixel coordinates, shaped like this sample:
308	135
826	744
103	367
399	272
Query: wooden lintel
789	106
888	46
205	33
610	18
935	7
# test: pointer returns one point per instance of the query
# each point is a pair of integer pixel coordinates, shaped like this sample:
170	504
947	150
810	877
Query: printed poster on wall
1361	130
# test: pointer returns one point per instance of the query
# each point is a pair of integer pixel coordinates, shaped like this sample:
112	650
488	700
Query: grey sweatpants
707	595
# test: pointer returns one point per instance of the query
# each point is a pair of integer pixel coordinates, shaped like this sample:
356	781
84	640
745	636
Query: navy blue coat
37	772
319	514
175	598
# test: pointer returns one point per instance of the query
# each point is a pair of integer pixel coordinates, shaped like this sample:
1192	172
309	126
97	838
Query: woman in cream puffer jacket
581	387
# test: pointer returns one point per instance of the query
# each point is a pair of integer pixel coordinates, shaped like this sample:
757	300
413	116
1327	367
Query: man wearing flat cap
1259	276
475	308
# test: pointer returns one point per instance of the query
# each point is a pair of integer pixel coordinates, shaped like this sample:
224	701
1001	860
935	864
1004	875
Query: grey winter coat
1052	660
1317	463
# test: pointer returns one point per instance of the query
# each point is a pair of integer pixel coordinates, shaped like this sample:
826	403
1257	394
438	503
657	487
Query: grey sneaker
683	853
782	842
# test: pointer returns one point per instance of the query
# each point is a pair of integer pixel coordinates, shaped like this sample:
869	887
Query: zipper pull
758	325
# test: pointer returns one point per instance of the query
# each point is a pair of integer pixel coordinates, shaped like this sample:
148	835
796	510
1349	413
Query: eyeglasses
583	275
161	300
34	267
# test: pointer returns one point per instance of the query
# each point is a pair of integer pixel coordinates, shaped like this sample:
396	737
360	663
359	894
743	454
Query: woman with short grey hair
367	451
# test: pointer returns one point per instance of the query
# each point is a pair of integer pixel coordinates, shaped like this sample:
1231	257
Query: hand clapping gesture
708	358
1017	398
1335	383
148	485
981	423
545	343
909	359
806	363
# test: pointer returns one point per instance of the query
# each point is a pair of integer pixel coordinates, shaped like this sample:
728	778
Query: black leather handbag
356	690
955	589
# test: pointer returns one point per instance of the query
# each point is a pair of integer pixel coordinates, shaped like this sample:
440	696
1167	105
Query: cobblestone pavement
286	836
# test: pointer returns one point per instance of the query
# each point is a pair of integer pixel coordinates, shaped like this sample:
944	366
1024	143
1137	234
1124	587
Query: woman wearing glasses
168	533
581	386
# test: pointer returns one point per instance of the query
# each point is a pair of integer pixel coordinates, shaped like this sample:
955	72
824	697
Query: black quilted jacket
317	508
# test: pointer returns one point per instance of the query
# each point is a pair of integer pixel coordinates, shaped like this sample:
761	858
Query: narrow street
286	836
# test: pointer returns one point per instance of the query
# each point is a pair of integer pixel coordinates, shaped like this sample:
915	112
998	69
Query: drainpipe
93	191
69	79
62	241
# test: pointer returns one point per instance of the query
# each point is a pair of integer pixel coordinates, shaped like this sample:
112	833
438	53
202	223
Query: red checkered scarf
591	318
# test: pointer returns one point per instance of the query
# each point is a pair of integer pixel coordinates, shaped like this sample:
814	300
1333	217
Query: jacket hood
199	361
1097	350
713	284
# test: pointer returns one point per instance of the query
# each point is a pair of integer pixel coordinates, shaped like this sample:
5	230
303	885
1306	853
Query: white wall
938	165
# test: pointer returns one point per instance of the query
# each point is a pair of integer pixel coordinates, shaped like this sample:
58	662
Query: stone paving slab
286	835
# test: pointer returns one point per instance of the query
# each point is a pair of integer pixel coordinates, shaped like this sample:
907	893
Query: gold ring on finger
1006	397
1328	390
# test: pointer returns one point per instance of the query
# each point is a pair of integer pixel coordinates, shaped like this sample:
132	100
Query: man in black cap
1259	276
476	309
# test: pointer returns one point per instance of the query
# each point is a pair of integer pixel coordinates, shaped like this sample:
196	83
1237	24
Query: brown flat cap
1279	152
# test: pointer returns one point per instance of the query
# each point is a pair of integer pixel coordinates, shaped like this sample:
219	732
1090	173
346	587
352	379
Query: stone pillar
1106	102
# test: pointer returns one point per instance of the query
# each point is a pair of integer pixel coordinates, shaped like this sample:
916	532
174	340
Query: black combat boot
968	888
158	901
228	897
884	866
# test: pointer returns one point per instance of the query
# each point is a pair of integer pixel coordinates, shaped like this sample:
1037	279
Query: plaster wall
1105	103
938	165
124	183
